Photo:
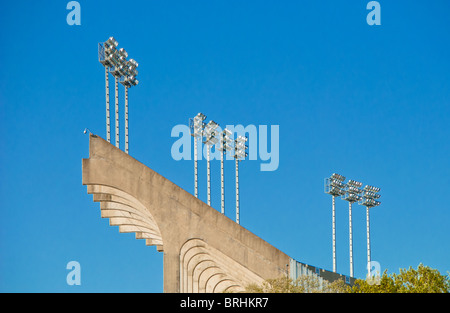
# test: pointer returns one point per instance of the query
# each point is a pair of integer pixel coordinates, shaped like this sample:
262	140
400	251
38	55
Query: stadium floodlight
370	193
211	138
352	194
129	73
225	145
118	61
239	155
106	50
111	43
115	62
123	54
210	133
334	186
196	125
128	79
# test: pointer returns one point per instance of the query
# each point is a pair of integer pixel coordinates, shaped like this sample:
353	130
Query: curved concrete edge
139	200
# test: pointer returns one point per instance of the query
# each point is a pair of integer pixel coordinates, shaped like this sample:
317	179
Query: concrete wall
203	249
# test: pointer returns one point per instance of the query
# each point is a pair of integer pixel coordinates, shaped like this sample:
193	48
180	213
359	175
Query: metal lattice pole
239	154
197	128
208	173
368	241
108	127
126	119
237	190
222	183
334	186
352	195
195	167
350	237
369	201
210	140
334	232
117	109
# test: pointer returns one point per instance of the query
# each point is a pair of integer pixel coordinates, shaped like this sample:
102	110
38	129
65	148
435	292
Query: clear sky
369	102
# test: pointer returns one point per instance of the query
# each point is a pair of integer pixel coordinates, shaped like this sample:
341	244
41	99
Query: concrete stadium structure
204	251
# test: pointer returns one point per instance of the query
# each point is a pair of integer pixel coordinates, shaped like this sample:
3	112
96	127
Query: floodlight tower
239	155
334	186
211	138
128	79
196	125
225	145
105	52
370	193
352	194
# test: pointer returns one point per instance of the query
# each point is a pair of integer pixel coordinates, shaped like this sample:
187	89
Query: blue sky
369	102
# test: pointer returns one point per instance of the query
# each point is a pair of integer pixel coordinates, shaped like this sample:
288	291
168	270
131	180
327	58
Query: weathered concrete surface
204	251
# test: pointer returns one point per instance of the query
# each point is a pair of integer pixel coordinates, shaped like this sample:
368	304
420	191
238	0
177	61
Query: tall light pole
211	138
105	52
116	101
352	194
128	79
115	62
116	59
334	186
196	125
239	154
117	73
225	145
370	193
126	119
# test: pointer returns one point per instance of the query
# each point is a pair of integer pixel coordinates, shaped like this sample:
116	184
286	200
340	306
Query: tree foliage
304	284
421	280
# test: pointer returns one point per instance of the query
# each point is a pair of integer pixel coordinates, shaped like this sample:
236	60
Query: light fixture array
124	71
351	192
224	140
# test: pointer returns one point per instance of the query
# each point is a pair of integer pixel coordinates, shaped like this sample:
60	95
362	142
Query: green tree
421	280
304	284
